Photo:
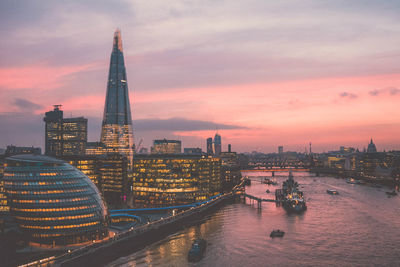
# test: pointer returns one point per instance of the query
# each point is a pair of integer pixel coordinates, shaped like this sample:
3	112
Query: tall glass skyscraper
116	132
217	144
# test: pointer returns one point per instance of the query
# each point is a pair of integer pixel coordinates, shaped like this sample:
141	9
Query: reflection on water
358	227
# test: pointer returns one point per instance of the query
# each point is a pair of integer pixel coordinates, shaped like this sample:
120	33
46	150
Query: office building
16	150
64	136
192	150
165	180
210	150
116	131
95	148
114	178
89	165
4	208
109	172
52	202
165	146
230	170
280	149
217	144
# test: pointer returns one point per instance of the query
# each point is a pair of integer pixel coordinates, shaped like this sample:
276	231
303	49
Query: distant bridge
279	170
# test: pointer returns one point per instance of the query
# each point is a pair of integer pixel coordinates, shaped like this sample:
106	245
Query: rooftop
34	158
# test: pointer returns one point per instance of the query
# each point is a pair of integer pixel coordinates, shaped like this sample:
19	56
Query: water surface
358	227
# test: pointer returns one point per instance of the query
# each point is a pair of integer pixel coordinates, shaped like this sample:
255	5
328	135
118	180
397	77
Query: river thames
358	227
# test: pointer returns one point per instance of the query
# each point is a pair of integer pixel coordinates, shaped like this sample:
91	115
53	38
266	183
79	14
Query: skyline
293	73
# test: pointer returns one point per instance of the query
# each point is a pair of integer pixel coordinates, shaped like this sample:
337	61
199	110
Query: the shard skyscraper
116	131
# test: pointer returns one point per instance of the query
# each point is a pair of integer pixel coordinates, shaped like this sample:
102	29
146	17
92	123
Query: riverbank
134	239
386	181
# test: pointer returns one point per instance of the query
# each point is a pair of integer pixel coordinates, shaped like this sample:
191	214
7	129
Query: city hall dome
53	202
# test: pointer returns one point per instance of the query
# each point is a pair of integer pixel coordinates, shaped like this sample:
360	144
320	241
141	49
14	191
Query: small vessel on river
332	192
269	181
197	250
277	233
393	193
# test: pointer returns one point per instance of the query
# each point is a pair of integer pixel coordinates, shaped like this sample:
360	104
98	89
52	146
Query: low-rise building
164	180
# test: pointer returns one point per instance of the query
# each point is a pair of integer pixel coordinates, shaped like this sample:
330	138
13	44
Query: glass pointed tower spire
116	131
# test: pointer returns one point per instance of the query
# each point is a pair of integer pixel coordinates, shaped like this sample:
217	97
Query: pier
259	200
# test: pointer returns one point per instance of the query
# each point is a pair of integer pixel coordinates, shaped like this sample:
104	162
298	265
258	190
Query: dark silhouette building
15	150
371	147
210	150
192	150
217	144
64	136
116	131
165	146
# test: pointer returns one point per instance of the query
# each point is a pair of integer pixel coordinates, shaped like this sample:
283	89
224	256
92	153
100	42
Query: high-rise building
116	131
217	144
64	136
165	146
210	150
280	149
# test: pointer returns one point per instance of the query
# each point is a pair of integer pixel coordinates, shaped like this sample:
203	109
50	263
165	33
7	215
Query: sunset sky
264	73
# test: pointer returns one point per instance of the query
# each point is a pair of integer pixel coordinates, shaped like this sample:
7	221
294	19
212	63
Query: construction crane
140	143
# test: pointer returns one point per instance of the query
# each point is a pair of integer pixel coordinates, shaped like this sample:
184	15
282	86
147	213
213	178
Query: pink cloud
40	76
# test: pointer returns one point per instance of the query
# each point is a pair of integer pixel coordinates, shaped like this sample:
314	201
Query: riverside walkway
90	253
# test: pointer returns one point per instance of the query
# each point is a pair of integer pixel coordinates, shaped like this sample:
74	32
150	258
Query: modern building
95	148
371	147
116	131
64	136
210	150
52	202
114	178
89	165
230	170
4	208
280	149
165	146
109	172
217	144
165	180
192	150
16	150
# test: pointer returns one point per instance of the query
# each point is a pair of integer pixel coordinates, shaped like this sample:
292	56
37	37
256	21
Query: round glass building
53	202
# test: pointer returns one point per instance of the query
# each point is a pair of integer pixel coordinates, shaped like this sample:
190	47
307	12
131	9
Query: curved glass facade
53	202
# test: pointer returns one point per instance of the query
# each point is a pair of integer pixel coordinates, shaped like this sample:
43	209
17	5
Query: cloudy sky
263	72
